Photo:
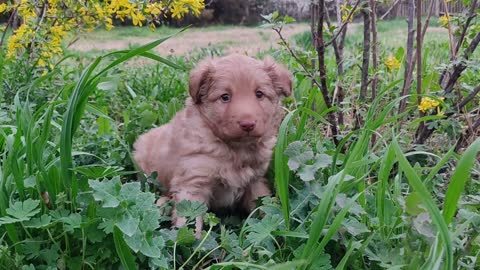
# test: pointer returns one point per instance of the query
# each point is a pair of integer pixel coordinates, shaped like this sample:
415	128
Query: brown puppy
218	148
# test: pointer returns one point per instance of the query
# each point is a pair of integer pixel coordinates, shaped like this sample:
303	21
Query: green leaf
146	243
106	191
126	257
185	236
299	154
459	178
40	222
21	211
128	224
262	230
72	222
427	200
190	209
413	203
354	227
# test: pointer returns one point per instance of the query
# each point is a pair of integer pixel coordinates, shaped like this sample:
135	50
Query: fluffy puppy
218	148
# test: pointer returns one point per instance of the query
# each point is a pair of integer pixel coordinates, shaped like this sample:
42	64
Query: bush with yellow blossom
428	103
46	23
392	63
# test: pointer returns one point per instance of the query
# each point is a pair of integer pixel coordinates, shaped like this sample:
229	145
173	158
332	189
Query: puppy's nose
247	125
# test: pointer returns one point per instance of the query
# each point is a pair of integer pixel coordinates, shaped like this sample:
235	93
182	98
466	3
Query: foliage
46	23
69	195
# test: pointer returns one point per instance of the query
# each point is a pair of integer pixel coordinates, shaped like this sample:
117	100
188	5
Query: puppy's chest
233	177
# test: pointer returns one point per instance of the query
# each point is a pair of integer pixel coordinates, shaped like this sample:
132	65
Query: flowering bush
428	103
392	63
46	23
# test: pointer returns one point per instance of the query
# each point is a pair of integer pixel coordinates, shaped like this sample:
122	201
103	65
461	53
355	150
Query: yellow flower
41	63
108	24
3	7
345	12
181	7
154	8
428	103
392	63
138	18
152	27
444	20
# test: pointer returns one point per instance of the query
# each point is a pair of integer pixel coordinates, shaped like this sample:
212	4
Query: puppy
217	150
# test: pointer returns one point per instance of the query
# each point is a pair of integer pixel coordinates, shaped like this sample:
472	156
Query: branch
409	68
390	9
366	53
471	15
468	98
373	7
335	36
320	46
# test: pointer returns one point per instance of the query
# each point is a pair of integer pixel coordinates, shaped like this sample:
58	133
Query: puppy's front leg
253	191
189	194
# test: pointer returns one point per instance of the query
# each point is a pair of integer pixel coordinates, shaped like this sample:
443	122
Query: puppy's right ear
200	80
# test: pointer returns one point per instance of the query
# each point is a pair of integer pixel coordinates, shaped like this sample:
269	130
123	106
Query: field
71	197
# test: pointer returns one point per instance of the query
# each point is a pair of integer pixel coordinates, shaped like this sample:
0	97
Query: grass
365	204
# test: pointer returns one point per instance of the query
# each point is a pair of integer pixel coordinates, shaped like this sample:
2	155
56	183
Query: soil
248	40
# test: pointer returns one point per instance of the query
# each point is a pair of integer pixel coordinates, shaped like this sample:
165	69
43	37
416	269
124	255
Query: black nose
247	125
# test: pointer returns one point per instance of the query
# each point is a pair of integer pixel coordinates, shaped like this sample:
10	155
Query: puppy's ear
281	77
200	80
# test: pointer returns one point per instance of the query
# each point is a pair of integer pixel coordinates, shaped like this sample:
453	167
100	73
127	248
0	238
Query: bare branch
471	15
390	9
373	8
409	68
335	36
366	53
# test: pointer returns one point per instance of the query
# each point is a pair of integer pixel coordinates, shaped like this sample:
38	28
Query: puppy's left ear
200	80
281	77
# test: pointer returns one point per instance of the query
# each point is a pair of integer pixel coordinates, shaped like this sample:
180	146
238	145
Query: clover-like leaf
190	209
146	243
185	236
128	224
261	231
21	211
40	222
354	227
107	191
298	154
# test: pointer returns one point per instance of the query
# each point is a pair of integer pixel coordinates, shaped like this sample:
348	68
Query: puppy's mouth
245	137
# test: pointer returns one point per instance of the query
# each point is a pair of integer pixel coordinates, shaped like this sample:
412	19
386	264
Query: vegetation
354	187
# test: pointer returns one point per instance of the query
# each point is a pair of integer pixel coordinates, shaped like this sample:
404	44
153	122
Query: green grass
364	204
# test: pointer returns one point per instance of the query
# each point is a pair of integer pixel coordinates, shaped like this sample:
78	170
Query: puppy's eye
259	94
225	98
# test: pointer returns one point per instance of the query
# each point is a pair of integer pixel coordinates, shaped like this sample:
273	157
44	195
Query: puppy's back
151	150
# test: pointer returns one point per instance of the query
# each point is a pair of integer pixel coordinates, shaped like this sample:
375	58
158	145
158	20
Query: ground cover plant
361	181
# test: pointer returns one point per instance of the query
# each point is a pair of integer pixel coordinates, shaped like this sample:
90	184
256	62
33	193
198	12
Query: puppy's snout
247	125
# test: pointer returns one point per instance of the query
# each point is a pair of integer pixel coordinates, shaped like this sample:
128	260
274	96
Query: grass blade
459	178
282	173
123	251
428	202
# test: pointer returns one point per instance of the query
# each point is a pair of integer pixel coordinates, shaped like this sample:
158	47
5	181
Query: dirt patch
249	40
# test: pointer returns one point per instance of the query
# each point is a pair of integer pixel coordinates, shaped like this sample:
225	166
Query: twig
471	15
335	36
373	7
294	55
366	53
320	47
9	23
409	68
338	51
468	98
391	8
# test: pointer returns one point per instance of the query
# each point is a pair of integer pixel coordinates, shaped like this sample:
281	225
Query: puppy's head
240	96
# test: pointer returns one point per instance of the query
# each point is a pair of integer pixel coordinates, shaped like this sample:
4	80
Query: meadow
72	198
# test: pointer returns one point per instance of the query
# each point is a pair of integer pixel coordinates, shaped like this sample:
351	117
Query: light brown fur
214	151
